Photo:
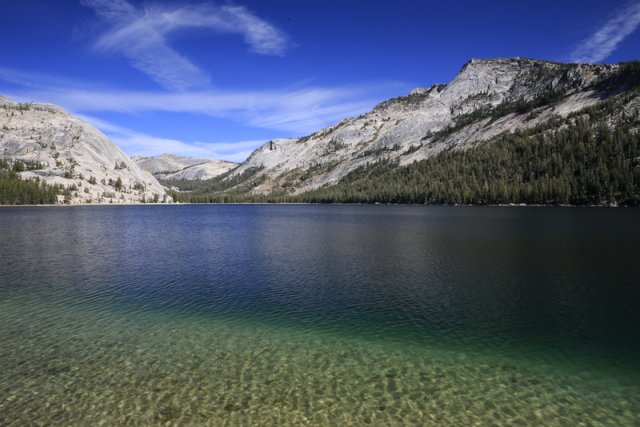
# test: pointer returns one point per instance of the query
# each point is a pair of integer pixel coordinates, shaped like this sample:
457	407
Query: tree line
575	166
17	191
225	188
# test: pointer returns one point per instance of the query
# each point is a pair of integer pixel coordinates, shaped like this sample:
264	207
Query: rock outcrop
61	149
171	167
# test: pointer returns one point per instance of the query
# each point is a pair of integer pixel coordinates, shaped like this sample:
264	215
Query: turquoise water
319	315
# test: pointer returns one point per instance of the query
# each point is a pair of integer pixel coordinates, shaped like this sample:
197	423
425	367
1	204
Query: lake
319	315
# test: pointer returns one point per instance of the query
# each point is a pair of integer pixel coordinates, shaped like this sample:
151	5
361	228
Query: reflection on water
319	315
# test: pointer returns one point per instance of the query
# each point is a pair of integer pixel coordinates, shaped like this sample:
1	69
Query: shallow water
319	315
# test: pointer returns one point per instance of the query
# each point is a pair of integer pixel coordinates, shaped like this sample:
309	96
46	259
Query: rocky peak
514	78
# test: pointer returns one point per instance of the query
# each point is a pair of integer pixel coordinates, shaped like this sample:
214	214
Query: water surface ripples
319	315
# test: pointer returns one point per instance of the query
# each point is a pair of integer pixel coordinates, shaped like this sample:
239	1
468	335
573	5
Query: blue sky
216	79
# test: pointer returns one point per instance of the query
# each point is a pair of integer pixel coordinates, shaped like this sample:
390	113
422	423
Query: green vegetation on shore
221	189
571	166
17	191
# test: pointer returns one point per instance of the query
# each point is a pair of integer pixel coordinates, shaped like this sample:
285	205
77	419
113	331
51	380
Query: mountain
488	101
511	130
170	167
44	142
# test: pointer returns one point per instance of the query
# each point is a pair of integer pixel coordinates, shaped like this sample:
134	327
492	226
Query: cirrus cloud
296	110
144	144
142	35
606	39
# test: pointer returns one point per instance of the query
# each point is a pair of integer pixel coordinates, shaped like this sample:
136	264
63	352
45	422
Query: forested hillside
590	157
570	166
17	191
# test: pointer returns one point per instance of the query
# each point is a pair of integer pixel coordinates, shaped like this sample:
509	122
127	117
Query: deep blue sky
217	78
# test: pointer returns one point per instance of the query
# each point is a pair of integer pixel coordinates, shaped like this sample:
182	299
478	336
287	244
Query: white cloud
604	41
137	143
295	111
142	36
292	111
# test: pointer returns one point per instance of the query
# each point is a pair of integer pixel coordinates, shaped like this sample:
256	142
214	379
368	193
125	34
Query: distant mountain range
509	130
171	167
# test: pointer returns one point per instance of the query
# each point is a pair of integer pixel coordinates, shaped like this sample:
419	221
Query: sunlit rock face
62	149
486	98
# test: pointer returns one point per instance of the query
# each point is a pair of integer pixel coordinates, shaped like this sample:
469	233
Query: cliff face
61	149
171	167
486	99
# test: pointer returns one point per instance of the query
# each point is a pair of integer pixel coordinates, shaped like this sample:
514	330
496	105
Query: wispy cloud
141	34
296	110
37	80
605	41
143	144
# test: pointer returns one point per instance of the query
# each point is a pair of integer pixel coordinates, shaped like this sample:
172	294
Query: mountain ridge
171	167
486	99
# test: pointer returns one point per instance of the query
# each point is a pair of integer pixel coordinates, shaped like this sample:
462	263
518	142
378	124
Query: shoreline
511	205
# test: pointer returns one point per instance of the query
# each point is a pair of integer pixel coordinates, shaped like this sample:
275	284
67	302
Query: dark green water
319	315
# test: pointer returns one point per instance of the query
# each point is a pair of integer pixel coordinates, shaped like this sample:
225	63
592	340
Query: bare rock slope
61	149
171	167
487	98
